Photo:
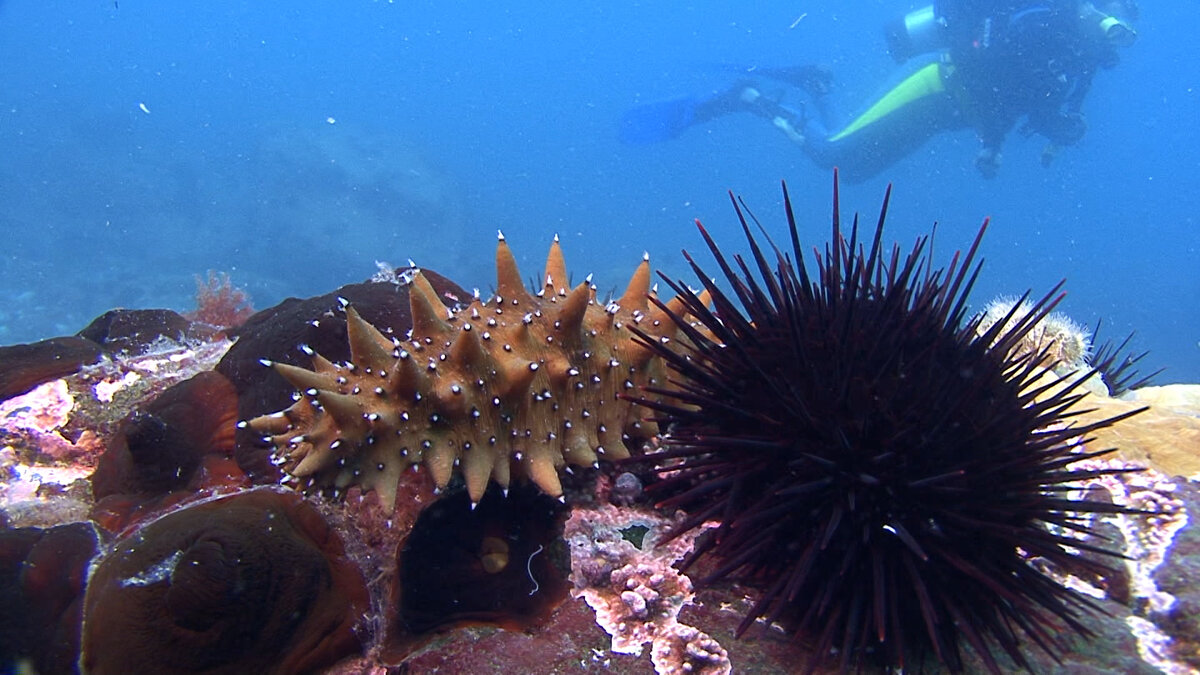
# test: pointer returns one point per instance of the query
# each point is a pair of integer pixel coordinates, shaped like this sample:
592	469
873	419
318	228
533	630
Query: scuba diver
990	65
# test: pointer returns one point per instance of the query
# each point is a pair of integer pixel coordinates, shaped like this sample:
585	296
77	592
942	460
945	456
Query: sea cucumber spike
500	235
577	451
513	376
439	459
368	346
541	465
384	476
426	309
314	461
639	286
508	276
572	313
468	350
344	409
302	378
477	470
405	377
501	469
556	267
270	425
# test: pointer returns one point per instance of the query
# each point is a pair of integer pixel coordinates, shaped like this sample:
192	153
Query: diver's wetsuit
1003	61
916	106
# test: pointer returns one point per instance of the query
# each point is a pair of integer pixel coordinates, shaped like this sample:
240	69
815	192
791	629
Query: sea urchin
895	485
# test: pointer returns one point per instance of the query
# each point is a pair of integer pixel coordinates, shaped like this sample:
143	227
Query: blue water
146	143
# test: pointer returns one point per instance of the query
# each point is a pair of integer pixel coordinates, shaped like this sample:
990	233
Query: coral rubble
636	591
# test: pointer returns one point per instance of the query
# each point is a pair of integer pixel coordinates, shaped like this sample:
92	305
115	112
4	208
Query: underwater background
295	145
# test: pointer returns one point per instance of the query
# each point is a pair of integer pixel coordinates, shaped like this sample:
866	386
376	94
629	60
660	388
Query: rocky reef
419	479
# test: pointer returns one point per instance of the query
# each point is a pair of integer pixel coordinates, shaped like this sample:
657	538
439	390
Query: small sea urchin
1066	345
895	485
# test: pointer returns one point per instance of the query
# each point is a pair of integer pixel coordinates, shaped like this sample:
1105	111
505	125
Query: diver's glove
988	162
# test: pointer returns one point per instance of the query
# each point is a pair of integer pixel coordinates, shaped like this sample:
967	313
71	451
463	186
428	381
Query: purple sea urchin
882	474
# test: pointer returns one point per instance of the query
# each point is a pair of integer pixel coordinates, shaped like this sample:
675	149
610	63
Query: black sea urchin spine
1118	367
884	476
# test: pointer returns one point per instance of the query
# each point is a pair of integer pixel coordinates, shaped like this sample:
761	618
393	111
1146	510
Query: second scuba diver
990	65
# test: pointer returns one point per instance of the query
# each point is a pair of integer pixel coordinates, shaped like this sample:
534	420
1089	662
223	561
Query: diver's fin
813	78
659	121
